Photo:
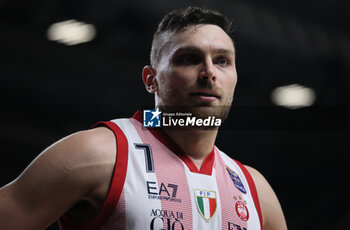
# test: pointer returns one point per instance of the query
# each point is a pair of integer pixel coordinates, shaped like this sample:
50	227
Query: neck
196	143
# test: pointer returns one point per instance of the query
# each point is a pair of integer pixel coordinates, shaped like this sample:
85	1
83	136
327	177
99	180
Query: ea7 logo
162	190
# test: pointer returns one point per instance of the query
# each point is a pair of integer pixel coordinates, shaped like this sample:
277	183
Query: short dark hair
180	19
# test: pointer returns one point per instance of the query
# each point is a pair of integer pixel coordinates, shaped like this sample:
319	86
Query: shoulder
82	148
272	213
87	141
89	154
258	178
77	167
83	157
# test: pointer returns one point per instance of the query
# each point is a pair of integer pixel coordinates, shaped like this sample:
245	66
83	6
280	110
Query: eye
187	59
222	61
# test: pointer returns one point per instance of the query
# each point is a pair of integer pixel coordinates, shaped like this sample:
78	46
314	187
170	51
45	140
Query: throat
197	162
197	144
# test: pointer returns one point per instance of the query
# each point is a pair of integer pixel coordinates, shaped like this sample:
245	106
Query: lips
206	93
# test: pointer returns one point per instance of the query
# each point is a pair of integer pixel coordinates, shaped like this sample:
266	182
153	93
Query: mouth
206	95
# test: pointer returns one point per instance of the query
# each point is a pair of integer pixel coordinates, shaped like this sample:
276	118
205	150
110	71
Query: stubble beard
201	110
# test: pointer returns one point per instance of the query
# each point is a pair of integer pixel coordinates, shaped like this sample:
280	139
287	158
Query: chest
161	192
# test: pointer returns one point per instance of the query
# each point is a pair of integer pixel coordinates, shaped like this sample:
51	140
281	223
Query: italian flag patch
206	203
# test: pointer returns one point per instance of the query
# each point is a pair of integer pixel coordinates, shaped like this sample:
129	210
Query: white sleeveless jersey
156	186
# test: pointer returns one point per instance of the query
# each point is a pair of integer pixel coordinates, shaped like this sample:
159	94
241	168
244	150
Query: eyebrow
197	50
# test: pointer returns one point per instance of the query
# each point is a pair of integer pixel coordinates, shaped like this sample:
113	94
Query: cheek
229	86
181	77
233	86
230	81
234	82
171	83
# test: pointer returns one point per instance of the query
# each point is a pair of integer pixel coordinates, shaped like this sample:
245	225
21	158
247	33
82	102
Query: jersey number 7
148	156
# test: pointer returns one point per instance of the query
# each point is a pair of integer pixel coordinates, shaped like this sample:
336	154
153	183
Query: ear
149	79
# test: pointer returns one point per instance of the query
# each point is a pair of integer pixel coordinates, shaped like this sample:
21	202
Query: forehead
204	37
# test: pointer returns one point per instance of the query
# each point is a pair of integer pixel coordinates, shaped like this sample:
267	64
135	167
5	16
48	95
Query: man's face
196	72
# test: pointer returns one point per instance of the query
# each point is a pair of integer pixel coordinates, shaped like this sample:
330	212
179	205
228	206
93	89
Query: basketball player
121	175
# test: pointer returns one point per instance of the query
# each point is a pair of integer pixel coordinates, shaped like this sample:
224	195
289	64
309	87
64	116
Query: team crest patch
206	203
242	210
236	180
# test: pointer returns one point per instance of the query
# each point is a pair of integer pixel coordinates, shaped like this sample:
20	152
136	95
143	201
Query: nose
207	72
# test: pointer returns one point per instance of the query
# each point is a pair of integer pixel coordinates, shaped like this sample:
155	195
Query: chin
210	111
200	111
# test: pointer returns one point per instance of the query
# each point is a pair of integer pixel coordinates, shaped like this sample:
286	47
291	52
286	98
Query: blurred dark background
50	89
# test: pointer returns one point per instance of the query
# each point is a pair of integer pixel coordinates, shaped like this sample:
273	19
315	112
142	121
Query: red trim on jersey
207	164
253	190
115	189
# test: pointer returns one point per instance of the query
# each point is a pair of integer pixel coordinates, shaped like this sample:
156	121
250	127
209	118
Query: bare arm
273	218
67	172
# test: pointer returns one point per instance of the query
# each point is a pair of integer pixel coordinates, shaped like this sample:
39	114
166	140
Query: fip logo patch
151	118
